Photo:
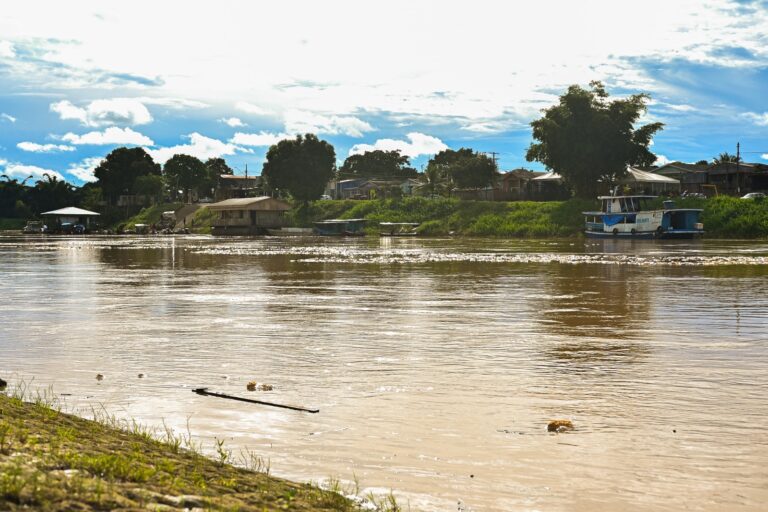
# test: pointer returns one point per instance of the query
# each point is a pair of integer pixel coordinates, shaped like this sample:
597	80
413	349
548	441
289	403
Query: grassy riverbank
723	217
55	461
469	218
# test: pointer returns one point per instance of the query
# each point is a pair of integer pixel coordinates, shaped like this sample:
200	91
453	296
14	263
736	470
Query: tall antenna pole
738	157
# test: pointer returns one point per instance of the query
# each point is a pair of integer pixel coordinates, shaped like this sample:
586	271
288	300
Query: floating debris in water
141	375
99	376
255	386
560	426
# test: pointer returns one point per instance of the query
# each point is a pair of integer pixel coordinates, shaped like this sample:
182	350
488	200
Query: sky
229	78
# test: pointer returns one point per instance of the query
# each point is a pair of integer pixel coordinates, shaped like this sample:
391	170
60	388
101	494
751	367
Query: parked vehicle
754	195
34	227
631	217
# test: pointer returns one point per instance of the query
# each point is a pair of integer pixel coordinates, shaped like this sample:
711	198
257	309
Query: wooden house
248	216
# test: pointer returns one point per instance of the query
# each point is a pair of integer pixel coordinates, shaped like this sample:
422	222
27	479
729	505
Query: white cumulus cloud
416	145
302	121
43	148
83	170
234	122
7	50
258	139
199	146
758	119
7	117
250	108
662	160
111	135
105	112
21	171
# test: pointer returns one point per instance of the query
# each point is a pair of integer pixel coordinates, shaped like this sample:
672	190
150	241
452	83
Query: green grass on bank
55	461
469	218
149	215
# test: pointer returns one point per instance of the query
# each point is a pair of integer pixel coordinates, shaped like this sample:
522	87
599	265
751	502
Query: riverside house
248	215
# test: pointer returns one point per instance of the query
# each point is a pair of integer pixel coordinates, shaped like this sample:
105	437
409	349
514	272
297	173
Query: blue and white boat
631	217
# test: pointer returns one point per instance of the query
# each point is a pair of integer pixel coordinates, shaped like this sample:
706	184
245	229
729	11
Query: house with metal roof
248	215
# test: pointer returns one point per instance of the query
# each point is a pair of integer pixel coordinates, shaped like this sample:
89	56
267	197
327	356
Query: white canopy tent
72	215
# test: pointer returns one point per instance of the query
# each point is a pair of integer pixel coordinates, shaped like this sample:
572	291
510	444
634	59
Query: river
436	363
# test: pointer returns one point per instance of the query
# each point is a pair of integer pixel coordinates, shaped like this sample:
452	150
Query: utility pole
493	157
738	157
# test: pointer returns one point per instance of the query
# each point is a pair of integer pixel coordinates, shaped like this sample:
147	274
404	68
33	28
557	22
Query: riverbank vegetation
54	461
723	217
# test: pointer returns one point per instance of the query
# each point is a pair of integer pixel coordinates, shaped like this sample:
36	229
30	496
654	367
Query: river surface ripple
435	363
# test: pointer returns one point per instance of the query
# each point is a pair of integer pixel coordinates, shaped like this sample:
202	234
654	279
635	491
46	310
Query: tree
726	158
301	166
217	167
150	186
586	138
117	172
465	167
11	191
214	168
51	193
185	172
434	182
702	162
377	164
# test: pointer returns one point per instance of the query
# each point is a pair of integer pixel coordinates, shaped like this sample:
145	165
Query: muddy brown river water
435	363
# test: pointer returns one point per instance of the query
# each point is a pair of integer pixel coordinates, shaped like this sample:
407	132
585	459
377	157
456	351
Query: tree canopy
586	137
465	167
301	166
185	172
118	171
377	164
726	158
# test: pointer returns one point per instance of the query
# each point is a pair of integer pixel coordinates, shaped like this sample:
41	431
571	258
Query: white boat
632	217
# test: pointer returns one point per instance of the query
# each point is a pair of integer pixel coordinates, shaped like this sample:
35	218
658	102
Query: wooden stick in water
205	392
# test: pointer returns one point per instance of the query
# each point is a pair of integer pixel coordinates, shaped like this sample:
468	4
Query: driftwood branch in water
205	392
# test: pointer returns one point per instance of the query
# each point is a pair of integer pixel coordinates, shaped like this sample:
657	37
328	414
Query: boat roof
399	223
339	221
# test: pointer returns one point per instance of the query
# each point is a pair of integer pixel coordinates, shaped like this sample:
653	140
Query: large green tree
465	167
214	169
301	166
587	138
377	164
117	172
184	172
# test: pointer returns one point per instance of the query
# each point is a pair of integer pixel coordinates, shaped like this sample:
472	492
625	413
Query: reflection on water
435	363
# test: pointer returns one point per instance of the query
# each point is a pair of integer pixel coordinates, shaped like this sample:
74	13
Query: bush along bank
54	461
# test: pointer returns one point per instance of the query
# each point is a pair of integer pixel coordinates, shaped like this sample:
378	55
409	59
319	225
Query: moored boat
340	227
398	228
631	217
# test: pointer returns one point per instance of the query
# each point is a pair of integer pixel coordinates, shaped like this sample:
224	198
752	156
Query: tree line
586	138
